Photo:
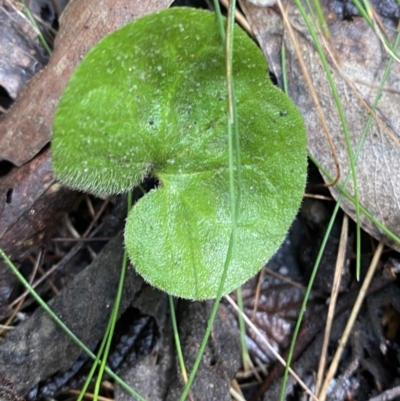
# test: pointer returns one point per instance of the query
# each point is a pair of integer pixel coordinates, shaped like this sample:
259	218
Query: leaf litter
26	128
382	340
21	57
351	40
362	59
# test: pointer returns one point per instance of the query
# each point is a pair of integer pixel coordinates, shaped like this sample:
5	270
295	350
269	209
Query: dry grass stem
265	341
313	94
236	395
321	197
340	262
90	396
352	318
257	294
38	261
379	29
240	18
70	254
348	82
288	280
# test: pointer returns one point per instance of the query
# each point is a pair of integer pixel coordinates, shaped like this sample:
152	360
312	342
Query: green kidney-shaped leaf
150	99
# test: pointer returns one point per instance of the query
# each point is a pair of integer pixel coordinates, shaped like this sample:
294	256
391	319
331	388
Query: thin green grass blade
113	321
233	196
363	9
61	324
95	364
364	211
102	354
92	370
321	18
209	325
220	22
343	122
285	85
343	191
176	337
341	188
305	300
35	25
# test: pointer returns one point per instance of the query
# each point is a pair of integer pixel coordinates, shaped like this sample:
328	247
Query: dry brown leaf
7	389
274	312
32	204
362	59
38	347
275	316
20	55
26	128
7	283
47	10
